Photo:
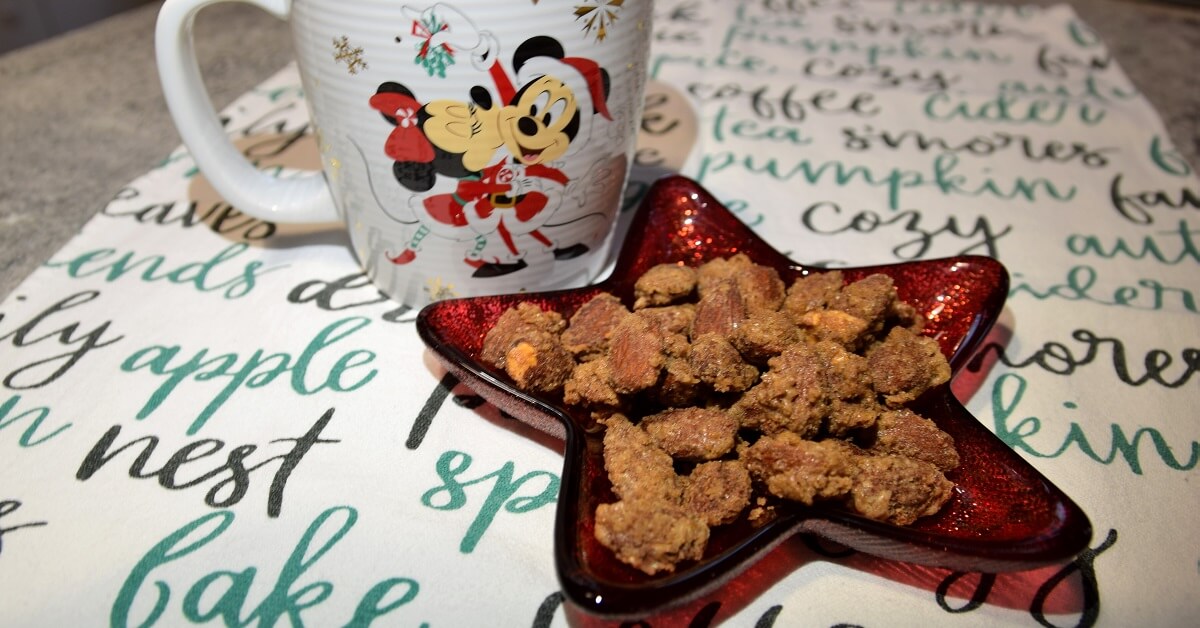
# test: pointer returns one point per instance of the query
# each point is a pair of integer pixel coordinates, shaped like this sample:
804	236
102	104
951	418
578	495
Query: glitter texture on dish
1005	516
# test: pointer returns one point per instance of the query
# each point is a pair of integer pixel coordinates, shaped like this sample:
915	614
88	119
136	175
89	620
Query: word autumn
232	477
339	374
223	594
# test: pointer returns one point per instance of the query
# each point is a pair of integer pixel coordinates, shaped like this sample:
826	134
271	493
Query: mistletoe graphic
435	59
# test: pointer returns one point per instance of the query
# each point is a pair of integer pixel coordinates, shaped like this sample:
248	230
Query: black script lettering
545	612
273	122
45	370
774	102
1033	150
828	218
974	29
880	75
7	507
1084	564
235	466
978	596
429	410
925	8
343	293
221	218
1060	359
1136	206
1059	65
676	25
802	7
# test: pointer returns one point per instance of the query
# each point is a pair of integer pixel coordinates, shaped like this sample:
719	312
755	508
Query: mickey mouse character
499	150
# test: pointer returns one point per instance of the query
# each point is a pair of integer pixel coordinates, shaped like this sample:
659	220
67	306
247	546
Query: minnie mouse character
499	150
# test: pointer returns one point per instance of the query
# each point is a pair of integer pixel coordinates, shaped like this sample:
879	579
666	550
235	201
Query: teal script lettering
256	370
1007	108
1170	247
1007	394
286	597
452	495
1080	285
28	438
207	276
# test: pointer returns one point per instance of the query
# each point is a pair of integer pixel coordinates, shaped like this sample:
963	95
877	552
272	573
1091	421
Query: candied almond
790	395
905	365
907	433
650	537
812	292
719	311
590	385
802	470
717	491
637	468
542	365
588	332
765	334
717	363
869	298
898	489
636	355
663	284
524	323
692	433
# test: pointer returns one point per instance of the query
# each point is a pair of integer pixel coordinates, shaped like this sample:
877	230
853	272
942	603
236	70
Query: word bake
232	477
231	588
311	371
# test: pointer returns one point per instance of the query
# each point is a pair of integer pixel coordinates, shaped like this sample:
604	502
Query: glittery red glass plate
1004	515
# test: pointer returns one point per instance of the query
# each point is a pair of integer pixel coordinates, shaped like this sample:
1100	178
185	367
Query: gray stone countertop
81	115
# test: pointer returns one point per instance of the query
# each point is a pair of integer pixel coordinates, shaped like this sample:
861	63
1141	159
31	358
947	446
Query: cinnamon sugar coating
724	394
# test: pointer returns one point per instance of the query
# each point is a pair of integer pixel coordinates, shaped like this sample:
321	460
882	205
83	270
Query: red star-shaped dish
1004	515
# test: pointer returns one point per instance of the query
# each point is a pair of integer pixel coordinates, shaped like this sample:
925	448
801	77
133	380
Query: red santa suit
507	198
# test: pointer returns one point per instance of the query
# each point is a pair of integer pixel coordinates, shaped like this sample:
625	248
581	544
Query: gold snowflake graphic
598	16
352	57
438	290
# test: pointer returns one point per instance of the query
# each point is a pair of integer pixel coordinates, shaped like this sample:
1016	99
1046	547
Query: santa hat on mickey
586	79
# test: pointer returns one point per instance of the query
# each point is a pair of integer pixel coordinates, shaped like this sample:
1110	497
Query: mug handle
303	199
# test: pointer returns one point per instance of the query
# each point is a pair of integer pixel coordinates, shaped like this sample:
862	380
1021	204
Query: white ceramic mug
470	147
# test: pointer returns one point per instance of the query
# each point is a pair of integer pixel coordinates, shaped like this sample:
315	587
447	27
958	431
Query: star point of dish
1004	515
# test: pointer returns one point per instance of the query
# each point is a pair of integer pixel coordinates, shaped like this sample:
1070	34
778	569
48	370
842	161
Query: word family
39	332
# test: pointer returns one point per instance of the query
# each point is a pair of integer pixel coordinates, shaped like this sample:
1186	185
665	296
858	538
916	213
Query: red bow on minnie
407	141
